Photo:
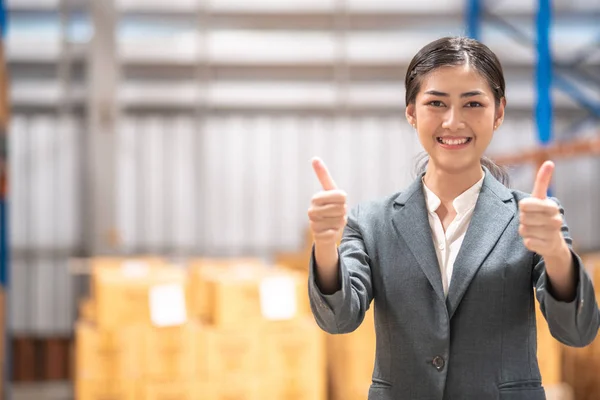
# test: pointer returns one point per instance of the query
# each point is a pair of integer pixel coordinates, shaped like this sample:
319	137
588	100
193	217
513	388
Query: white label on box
167	305
134	269
278	298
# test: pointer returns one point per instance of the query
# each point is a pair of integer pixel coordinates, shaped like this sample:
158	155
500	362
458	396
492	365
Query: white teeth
454	142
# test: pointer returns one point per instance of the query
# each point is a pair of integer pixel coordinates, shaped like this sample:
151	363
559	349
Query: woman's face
455	116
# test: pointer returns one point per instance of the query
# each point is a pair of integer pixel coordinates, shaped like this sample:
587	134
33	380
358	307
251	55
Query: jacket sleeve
344	310
574	323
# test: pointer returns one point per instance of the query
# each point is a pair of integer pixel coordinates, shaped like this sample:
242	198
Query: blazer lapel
412	225
490	218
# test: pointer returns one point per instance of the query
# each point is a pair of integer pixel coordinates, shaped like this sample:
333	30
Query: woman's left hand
541	220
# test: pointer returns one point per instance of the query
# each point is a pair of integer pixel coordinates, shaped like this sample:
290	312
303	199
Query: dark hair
453	51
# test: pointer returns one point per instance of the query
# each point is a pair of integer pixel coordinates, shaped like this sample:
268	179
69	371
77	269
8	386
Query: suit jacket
477	343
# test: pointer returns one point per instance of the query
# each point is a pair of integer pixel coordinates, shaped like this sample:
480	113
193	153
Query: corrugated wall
45	190
234	184
242	183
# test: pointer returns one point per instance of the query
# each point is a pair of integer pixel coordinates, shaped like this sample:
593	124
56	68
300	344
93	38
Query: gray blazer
478	343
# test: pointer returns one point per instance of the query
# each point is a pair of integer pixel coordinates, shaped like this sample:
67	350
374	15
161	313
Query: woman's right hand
328	217
328	209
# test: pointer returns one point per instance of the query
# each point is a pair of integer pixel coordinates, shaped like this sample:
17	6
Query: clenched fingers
541	220
536	232
534	205
327	224
318	212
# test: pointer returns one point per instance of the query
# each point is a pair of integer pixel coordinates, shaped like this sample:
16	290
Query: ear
500	114
411	116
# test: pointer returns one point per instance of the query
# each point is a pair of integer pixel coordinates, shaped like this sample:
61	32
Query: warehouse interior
155	240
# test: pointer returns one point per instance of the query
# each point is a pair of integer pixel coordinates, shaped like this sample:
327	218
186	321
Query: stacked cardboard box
133	332
351	358
262	342
581	365
219	330
549	353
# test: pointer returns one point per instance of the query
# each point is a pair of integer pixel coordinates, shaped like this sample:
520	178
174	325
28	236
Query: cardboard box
170	353
302	298
247	388
107	390
295	360
295	390
107	354
87	310
201	270
123	296
240	298
549	352
294	261
128	265
230	354
351	358
295	350
173	391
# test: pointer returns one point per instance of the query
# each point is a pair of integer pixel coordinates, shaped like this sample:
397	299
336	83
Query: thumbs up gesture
540	218
328	209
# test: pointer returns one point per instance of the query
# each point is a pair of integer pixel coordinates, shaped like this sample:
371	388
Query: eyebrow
442	94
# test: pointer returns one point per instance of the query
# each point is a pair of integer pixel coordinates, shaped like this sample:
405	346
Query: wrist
561	255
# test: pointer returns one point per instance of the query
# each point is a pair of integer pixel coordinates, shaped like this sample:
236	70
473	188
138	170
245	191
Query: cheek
484	119
428	120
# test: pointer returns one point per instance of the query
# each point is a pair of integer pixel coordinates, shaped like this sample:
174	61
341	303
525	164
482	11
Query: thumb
323	174
542	181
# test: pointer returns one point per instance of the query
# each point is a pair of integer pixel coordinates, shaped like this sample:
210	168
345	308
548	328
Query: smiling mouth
454	142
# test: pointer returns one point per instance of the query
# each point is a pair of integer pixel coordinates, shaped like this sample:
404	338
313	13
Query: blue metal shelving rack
4	229
549	74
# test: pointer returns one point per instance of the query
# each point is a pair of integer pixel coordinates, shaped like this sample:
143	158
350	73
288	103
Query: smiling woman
451	261
456	85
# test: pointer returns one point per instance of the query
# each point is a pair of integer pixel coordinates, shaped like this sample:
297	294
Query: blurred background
159	176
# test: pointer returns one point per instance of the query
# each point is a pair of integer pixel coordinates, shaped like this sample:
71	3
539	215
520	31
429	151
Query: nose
453	120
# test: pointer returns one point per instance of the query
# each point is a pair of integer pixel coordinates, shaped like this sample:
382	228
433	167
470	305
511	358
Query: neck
448	185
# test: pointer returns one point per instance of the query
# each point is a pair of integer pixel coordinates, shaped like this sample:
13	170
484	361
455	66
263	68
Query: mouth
454	142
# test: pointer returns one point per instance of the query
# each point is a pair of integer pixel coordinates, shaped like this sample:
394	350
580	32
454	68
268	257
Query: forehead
455	79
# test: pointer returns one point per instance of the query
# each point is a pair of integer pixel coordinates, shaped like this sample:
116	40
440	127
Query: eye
435	103
474	104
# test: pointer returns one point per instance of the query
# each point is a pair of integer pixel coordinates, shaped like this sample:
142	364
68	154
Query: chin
454	166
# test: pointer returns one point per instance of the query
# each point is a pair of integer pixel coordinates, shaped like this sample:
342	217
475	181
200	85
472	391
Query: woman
451	261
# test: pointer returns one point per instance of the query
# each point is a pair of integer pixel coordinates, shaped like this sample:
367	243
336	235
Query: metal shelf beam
548	73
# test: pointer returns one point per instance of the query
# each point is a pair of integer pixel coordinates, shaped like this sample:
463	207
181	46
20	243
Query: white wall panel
576	186
266	207
126	180
257	178
19	296
68	178
65	304
182	183
19	188
153	134
236	183
289	160
42	195
43	289
45	219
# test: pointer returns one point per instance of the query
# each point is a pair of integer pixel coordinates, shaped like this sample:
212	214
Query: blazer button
438	362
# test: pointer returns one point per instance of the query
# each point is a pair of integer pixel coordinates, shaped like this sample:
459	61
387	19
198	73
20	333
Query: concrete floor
42	391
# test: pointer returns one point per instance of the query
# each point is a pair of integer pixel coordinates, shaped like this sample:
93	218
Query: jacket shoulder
372	210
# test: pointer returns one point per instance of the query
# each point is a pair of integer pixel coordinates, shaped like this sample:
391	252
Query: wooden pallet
41	360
